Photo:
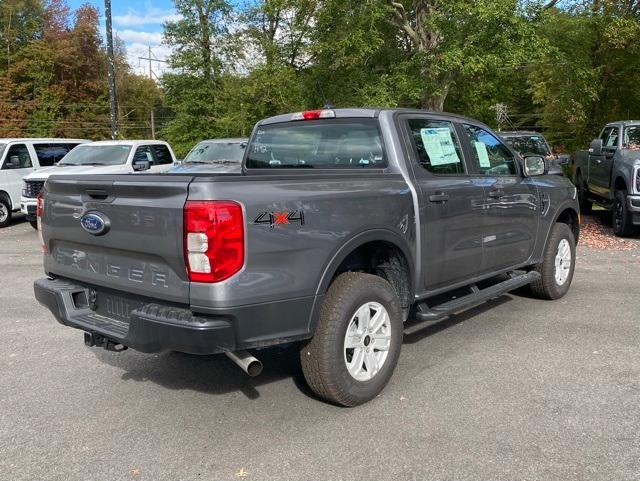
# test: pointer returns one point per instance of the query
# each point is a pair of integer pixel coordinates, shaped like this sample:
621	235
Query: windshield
529	145
321	144
97	155
2	146
632	137
214	152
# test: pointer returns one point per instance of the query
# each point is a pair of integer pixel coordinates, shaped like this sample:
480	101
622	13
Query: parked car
608	174
528	143
104	157
342	225
20	157
214	155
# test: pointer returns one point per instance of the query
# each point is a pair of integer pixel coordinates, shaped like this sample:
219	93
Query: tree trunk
433	101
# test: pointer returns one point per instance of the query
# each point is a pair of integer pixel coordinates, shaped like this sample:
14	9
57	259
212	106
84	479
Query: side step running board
427	315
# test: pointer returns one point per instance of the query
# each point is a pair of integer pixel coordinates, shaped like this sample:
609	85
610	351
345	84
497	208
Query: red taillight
314	115
39	212
213	239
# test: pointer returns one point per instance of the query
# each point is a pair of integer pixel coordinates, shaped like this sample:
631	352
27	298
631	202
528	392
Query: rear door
451	215
600	165
511	203
140	251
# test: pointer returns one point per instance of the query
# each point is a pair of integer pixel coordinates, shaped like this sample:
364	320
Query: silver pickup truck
608	174
342	225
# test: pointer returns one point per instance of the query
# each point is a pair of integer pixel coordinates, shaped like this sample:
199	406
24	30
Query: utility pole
152	58
113	98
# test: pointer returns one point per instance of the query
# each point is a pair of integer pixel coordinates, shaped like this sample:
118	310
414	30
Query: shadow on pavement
216	374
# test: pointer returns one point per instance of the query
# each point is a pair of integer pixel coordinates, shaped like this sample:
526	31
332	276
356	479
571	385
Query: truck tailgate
140	252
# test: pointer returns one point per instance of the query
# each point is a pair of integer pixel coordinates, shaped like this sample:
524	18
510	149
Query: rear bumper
155	327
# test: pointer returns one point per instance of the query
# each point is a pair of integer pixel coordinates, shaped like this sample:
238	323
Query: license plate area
113	306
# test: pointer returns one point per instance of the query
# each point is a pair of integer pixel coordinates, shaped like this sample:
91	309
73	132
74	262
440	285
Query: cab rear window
317	144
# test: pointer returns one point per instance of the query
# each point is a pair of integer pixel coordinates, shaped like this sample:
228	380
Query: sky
139	24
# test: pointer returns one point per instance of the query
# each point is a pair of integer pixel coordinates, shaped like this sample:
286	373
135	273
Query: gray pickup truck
608	174
342	225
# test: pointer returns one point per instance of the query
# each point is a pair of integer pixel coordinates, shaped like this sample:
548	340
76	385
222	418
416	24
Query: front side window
437	146
17	157
491	156
317	144
88	154
610	137
143	153
50	154
163	156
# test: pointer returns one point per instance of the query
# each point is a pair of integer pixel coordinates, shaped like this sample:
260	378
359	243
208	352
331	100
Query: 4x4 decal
280	218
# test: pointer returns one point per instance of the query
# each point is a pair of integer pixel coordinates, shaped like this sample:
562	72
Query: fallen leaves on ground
594	234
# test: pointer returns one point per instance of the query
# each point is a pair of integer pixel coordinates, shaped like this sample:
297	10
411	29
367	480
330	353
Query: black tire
34	224
547	287
586	206
323	357
5	212
621	218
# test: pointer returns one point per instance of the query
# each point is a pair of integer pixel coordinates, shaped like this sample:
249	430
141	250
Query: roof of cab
623	122
39	139
129	142
233	140
369	113
518	133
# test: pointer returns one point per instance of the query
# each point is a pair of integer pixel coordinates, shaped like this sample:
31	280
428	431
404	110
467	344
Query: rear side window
50	154
163	156
437	146
491	156
17	157
319	144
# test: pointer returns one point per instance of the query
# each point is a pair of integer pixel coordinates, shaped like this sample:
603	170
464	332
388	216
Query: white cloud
135	36
151	16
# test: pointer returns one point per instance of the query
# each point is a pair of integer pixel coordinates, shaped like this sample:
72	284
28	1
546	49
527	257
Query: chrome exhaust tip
246	362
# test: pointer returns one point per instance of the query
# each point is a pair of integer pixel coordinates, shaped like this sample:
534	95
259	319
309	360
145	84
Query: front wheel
558	264
357	343
34	224
621	218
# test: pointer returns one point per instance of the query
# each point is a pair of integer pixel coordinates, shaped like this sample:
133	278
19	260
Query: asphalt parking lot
519	389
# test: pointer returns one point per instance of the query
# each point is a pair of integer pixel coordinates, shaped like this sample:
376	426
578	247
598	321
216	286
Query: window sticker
439	146
483	155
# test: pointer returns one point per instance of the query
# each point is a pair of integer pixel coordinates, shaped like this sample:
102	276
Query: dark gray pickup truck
608	174
342	225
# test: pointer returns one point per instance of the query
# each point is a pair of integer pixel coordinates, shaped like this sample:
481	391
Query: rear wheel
5	212
621	218
583	196
558	264
357	343
34	224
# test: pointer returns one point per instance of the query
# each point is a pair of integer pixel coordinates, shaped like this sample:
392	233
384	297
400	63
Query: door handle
439	197
496	193
598	161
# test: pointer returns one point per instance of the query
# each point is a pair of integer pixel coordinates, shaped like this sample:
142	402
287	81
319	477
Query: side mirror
596	147
534	165
140	165
564	159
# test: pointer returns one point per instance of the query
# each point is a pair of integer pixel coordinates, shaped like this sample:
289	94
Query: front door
17	163
511	204
450	203
600	165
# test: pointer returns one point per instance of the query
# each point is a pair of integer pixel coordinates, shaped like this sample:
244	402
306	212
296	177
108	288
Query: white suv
20	157
104	157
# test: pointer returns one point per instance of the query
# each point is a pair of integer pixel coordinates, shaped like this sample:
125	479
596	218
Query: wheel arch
356	254
5	195
620	183
567	214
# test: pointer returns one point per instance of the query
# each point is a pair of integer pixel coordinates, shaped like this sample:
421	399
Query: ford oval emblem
94	223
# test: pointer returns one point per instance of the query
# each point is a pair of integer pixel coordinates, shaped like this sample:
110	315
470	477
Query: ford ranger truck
608	174
344	229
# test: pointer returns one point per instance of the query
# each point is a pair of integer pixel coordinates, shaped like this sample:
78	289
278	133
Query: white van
104	157
20	157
